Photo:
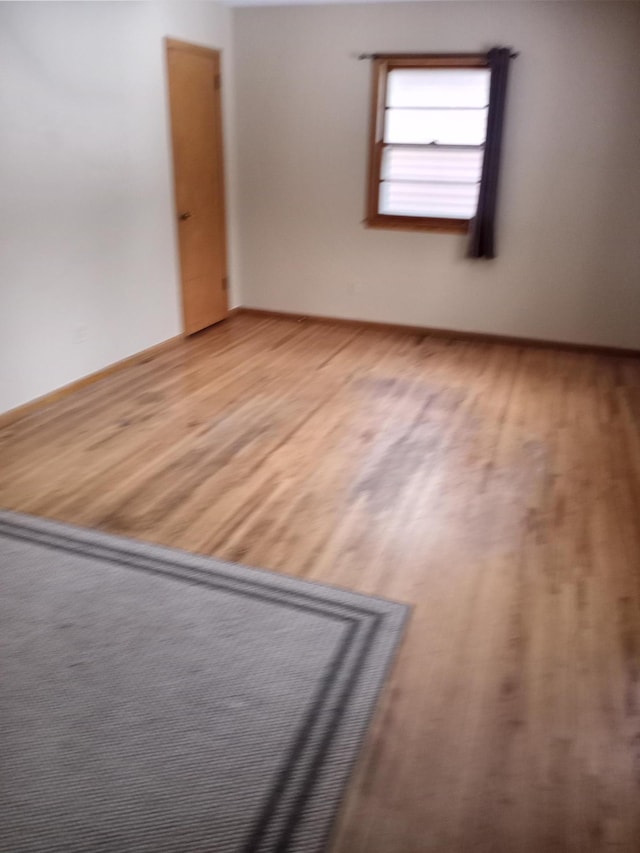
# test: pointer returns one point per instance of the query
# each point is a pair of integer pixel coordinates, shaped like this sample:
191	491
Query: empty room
320	426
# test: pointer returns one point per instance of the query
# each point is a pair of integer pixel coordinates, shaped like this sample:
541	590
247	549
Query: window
429	123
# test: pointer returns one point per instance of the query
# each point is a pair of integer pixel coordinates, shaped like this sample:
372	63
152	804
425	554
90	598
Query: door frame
215	54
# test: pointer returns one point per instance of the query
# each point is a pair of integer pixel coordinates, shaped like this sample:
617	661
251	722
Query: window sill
417	223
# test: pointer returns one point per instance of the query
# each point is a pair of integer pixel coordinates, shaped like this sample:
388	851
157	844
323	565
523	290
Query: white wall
569	231
87	237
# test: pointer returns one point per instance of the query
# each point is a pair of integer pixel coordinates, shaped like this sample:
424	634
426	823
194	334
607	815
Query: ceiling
326	2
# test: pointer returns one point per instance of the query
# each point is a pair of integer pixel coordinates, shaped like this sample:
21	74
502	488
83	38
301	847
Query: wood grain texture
496	488
20	412
451	334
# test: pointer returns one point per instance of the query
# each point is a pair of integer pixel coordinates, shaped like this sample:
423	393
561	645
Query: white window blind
434	133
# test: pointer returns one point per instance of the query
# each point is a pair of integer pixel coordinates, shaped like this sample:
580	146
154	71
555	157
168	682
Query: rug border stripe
143	556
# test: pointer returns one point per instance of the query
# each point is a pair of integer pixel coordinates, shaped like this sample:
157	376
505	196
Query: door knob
184	216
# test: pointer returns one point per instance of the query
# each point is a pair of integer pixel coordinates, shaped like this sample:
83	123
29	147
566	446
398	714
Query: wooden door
196	131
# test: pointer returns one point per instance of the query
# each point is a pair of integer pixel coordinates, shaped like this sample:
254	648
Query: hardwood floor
495	488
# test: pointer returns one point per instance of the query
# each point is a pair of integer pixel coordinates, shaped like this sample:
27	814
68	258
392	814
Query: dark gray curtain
482	238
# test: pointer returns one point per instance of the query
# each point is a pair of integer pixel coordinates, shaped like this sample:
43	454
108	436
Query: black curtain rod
514	54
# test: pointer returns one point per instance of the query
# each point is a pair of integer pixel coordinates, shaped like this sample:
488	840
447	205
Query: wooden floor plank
495	488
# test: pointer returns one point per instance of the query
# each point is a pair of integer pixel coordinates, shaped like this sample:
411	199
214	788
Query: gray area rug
153	700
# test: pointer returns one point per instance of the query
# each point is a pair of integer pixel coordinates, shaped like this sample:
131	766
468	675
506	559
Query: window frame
382	64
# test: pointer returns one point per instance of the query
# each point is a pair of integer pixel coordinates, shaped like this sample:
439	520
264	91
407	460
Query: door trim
215	54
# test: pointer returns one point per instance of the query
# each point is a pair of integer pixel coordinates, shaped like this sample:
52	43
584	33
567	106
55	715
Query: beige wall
569	230
88	260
